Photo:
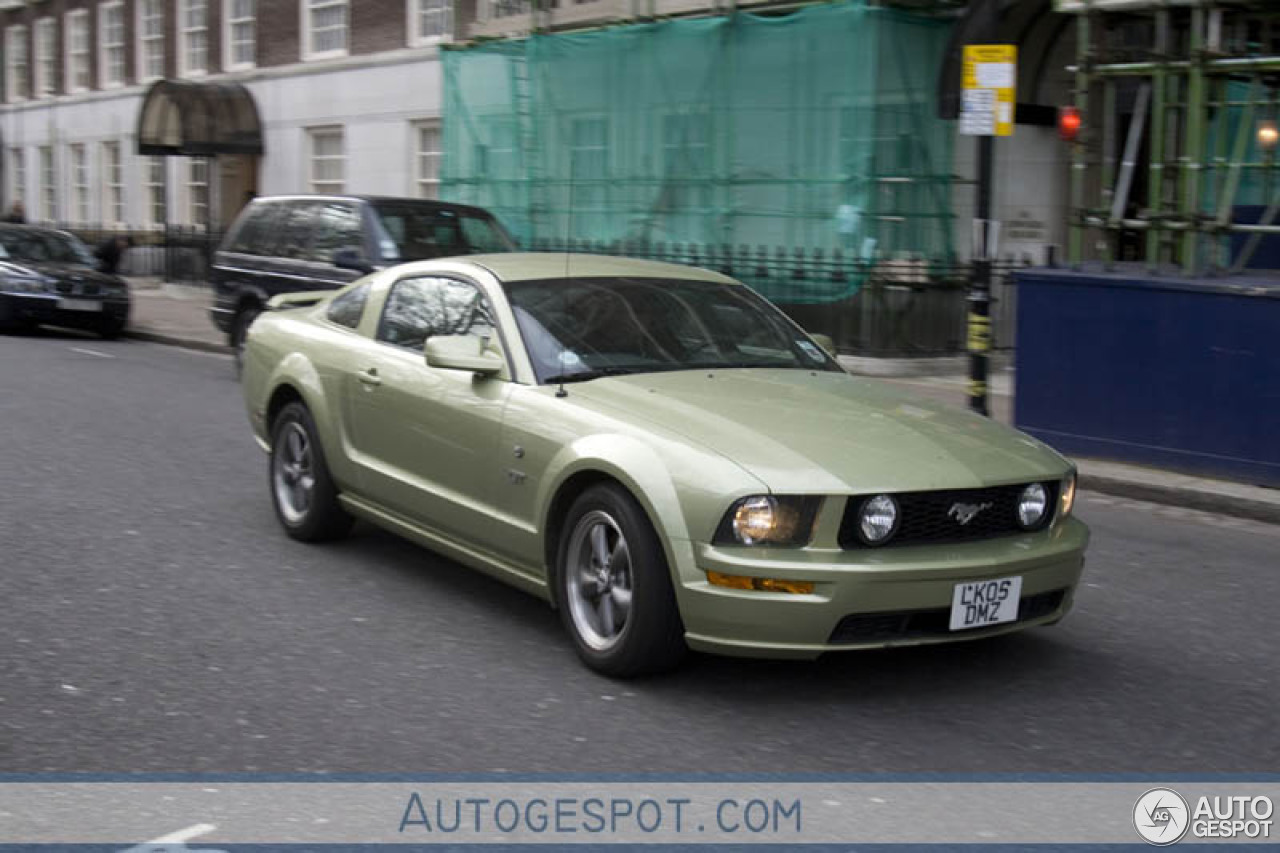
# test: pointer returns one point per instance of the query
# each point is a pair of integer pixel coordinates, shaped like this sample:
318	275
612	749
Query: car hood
58	270
825	432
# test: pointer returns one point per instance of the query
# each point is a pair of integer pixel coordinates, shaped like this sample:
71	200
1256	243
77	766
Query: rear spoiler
296	300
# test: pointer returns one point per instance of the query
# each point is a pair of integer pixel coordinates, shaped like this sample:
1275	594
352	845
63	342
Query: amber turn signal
760	584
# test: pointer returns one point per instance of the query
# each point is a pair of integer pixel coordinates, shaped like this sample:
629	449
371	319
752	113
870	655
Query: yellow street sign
989	89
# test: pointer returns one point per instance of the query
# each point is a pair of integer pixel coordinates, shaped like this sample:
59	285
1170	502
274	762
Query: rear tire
614	587
302	491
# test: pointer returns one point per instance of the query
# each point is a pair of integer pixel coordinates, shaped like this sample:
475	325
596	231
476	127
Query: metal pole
1084	53
980	293
1194	123
1155	171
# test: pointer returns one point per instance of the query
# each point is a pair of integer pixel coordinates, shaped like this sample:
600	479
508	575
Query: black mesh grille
920	624
935	517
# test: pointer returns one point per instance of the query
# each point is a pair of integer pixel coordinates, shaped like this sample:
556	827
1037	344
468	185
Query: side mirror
826	343
462	352
351	259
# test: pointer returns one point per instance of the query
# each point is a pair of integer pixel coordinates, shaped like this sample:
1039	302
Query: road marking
182	836
92	352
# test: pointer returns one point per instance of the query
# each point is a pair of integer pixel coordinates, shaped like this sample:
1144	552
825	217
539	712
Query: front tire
614	587
112	328
303	493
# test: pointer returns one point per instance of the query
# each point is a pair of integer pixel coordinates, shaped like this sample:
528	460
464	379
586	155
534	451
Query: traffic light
1069	123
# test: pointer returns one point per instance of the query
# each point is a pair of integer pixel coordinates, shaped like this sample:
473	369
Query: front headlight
1032	504
24	283
784	520
1068	494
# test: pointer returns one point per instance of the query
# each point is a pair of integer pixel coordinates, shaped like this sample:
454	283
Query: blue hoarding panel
1165	371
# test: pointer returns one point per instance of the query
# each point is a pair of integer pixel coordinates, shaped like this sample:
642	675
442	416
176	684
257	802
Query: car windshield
32	245
582	328
415	232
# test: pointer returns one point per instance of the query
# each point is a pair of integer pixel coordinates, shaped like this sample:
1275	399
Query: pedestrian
17	213
110	252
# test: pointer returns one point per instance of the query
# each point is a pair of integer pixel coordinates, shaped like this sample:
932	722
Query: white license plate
79	305
983	603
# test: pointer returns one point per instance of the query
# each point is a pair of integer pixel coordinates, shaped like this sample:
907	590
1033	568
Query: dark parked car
49	276
287	244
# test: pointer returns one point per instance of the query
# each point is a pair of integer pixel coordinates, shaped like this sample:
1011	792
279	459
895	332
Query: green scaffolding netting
810	131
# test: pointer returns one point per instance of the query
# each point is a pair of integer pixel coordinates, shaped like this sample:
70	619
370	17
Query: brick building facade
348	93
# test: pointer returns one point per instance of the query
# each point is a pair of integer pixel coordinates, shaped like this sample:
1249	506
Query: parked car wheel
305	498
240	332
113	327
614	587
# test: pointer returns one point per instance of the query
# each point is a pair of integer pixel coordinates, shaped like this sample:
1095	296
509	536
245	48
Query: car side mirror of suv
351	259
824	341
462	352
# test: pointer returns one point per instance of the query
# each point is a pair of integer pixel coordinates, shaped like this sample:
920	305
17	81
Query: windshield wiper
588	375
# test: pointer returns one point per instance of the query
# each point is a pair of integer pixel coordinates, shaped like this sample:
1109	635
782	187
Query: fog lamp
877	519
1032	504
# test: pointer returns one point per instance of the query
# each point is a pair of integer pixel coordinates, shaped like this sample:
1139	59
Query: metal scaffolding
1193	85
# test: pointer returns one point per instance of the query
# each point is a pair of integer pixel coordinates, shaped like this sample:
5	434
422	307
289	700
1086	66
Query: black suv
287	244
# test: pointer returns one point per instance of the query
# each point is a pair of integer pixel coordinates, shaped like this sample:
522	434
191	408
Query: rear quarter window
348	308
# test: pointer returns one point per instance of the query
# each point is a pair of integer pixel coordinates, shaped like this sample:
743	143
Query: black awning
197	118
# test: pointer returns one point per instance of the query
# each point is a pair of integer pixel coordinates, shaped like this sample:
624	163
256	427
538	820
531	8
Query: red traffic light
1068	123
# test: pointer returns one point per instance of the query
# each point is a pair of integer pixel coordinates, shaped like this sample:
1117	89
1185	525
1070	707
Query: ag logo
1161	816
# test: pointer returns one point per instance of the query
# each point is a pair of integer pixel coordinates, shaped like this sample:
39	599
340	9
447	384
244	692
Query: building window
240	37
426	161
18	83
328	160
324	28
157	211
17	176
686	154
78	66
111	43
79	184
150	40
48	185
112	183
193	42
589	161
46	64
198	190
430	21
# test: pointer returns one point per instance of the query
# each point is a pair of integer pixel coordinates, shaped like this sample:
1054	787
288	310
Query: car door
288	267
336	225
426	437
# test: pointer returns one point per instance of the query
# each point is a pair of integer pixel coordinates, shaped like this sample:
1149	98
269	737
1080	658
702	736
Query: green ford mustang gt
661	454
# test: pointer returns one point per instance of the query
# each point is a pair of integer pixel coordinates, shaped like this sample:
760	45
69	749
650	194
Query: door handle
369	377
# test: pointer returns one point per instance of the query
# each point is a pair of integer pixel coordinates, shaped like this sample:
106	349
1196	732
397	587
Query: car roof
372	199
531	266
22	226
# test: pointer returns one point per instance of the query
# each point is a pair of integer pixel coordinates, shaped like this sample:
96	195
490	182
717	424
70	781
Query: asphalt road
154	618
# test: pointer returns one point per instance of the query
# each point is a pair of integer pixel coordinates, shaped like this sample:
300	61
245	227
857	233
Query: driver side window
426	306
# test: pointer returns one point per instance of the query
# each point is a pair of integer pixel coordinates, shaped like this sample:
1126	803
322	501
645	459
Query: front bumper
52	309
870	598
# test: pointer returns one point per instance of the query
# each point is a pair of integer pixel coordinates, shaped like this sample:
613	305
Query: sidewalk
177	315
